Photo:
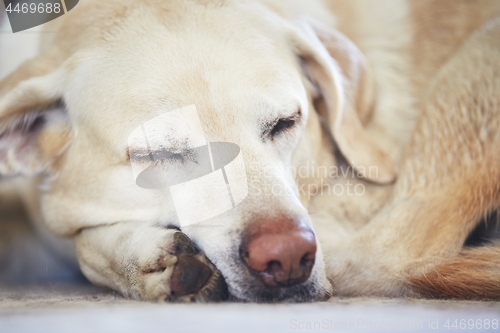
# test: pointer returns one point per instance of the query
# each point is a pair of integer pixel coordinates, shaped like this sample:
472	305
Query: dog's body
426	93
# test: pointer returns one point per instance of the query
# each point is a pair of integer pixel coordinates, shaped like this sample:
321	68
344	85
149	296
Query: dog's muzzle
280	252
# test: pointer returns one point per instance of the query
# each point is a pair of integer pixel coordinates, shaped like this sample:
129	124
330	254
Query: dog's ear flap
34	127
340	72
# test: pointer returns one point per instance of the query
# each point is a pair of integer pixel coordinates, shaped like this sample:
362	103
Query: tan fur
448	181
439	29
473	274
54	140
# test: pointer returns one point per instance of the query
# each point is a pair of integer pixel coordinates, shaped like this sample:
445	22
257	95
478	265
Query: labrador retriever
324	100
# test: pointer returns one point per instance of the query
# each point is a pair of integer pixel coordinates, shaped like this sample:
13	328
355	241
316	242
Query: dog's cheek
312	159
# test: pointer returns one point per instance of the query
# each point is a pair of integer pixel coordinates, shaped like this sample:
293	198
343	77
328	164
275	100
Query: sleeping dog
263	150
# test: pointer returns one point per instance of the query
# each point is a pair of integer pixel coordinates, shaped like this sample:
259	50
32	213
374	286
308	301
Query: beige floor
84	308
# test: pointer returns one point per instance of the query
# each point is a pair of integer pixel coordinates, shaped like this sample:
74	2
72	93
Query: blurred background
27	256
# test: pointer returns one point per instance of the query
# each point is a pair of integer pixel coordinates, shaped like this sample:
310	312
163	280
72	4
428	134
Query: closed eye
282	125
175	158
161	156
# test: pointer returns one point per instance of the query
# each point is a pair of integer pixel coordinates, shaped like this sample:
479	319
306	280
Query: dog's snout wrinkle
280	257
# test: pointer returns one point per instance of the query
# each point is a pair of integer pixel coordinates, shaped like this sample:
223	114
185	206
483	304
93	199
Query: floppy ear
34	127
337	67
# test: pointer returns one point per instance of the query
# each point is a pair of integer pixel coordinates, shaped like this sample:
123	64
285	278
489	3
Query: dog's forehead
229	71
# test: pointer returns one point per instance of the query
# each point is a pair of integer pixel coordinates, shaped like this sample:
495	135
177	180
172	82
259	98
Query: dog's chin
296	294
313	290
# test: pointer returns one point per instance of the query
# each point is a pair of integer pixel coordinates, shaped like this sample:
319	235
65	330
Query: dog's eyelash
283	124
163	156
172	159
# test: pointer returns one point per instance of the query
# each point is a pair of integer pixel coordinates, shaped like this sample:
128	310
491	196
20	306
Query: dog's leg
450	179
147	262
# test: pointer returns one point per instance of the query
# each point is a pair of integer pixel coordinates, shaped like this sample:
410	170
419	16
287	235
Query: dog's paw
178	271
148	263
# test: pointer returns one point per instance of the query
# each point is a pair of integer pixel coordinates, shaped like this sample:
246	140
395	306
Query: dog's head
254	78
